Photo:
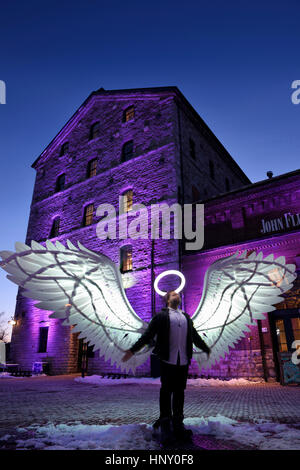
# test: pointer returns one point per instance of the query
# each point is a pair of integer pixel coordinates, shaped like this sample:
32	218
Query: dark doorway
285	329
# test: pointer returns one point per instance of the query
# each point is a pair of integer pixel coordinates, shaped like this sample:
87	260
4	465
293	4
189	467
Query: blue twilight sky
234	61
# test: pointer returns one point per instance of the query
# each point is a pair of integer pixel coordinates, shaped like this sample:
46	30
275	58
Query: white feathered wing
237	290
85	289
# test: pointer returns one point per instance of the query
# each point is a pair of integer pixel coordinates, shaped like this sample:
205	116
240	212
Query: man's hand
128	354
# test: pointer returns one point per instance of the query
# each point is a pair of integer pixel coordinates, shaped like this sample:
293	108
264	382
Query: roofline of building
103	92
252	185
163	89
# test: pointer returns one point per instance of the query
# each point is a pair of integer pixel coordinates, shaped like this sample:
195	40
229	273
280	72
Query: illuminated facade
151	145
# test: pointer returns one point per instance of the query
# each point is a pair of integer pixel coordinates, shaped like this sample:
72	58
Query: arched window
211	169
88	215
128	114
127	151
92	168
60	183
64	149
126	258
94	130
127	200
55	227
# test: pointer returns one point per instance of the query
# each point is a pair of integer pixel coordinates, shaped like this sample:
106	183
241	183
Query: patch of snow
7	375
100	380
90	437
262	435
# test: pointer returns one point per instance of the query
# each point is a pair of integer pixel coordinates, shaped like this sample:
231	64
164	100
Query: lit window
128	114
127	151
64	148
94	130
43	339
92	168
211	169
192	149
127	200
126	258
88	215
60	183
55	228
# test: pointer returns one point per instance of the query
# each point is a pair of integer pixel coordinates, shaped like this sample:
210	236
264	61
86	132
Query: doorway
285	329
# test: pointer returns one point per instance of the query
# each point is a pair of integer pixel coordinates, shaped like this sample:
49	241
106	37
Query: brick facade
165	167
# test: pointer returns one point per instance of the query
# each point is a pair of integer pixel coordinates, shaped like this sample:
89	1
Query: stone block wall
154	174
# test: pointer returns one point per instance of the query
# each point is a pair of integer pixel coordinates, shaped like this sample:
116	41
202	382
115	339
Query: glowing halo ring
166	273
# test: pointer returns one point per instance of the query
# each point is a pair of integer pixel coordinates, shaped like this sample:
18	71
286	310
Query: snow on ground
8	375
260	435
100	380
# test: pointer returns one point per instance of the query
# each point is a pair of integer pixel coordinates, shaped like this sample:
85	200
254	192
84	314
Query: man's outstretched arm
198	341
146	338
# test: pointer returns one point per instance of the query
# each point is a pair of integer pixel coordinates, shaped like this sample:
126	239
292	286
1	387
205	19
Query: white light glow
166	273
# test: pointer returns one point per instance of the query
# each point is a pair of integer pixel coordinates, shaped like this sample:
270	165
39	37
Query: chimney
270	174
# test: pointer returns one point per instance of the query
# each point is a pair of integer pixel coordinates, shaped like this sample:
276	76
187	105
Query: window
211	169
43	339
55	228
64	149
128	114
127	151
92	168
60	183
227	185
88	215
127	200
126	258
94	130
192	149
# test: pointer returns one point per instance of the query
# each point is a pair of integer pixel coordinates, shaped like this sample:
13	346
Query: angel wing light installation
85	289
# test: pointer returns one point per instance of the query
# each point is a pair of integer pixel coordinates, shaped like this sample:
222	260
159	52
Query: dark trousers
173	383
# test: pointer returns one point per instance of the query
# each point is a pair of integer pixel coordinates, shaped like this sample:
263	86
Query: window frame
126	250
64	149
43	339
85	215
57	188
92	135
93	160
54	227
123	159
126	112
128	201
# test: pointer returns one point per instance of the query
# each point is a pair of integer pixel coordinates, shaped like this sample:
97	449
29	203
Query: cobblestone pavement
60	399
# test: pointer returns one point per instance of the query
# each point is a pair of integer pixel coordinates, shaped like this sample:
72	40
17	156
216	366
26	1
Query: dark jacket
160	326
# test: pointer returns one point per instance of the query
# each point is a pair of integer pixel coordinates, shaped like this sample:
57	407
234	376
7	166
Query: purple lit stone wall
164	121
228	219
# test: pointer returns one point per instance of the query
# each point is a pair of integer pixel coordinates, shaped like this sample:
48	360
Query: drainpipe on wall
180	195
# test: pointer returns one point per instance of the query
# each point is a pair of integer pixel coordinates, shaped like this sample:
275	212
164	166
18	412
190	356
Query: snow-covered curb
8	375
260	435
100	380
